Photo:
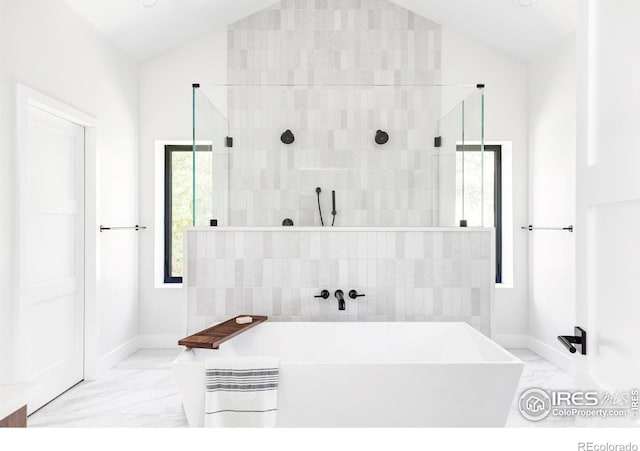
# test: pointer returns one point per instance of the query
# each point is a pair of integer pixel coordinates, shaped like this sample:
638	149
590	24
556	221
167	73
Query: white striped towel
241	392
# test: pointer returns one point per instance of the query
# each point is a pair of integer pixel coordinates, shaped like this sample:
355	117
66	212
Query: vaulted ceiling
145	32
523	32
523	29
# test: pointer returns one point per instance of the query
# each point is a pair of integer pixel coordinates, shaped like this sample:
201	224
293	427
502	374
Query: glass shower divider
464	199
461	171
211	145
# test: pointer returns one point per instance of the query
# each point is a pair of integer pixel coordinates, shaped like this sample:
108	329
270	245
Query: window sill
169	285
503	286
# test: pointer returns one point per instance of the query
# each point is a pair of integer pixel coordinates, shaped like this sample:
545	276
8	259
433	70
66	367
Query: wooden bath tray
212	337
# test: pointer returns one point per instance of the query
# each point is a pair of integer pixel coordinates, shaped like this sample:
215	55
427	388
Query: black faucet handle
324	294
354	294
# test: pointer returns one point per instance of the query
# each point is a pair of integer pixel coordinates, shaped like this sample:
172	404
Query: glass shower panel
446	166
209	162
406	181
474	174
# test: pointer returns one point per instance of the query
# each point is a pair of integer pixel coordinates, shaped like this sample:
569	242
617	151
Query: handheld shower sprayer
333	212
318	191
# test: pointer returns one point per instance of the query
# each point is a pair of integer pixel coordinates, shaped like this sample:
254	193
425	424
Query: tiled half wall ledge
407	274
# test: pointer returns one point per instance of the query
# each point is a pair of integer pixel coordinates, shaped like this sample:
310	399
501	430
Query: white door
51	248
608	195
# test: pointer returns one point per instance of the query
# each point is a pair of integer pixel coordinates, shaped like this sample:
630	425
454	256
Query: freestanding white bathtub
395	374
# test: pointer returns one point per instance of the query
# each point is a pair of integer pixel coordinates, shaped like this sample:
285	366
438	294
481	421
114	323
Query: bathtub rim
189	355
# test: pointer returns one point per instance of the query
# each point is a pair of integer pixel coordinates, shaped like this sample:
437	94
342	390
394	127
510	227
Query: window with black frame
479	184
178	200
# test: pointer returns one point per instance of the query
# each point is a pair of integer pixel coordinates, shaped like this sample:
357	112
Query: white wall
467	61
165	114
552	195
7	202
46	46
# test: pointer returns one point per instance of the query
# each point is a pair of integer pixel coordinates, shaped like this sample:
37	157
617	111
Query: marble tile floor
539	373
140	392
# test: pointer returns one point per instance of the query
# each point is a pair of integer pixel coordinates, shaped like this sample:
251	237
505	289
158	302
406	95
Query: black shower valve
287	137
382	137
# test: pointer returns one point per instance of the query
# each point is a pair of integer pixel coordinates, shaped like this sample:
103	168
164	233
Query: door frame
28	97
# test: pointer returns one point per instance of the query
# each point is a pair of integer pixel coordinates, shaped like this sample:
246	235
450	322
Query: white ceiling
524	33
147	32
143	33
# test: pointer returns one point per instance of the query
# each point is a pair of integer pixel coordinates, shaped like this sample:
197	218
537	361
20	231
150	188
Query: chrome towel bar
135	227
531	228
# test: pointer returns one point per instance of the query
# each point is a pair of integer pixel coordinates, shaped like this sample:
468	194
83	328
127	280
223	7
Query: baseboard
512	340
159	341
555	356
117	355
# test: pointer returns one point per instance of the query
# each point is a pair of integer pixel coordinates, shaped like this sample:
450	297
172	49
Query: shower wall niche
334	73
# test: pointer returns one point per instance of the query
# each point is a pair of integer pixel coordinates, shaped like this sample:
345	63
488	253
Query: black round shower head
382	137
287	137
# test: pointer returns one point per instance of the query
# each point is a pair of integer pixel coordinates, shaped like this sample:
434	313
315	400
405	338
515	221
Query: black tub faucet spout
340	296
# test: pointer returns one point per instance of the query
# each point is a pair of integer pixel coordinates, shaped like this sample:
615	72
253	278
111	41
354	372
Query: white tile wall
436	275
335	42
410	275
